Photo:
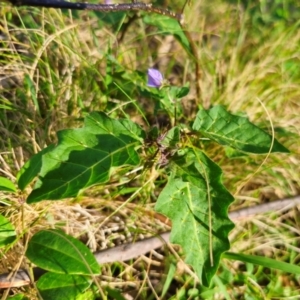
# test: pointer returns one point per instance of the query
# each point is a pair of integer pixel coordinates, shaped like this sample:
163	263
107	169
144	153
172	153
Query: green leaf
169	279
263	261
170	98
114	18
179	92
6	185
83	157
114	293
234	131
169	26
7	232
62	286
31	168
55	251
197	203
171	138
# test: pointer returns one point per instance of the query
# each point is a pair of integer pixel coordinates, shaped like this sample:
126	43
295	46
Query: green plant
194	197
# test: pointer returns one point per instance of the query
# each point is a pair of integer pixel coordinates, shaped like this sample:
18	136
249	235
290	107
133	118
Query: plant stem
134	6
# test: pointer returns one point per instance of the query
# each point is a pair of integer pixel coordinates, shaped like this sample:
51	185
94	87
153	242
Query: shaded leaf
54	286
171	138
6	185
83	157
197	203
167	25
55	251
114	293
234	131
114	18
7	232
169	279
179	92
170	98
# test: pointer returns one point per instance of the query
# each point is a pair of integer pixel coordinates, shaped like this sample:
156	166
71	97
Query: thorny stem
134	6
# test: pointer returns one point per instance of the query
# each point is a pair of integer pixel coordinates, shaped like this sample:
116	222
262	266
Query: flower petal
155	78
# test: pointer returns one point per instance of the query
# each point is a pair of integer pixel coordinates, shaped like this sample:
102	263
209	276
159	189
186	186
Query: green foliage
264	261
6	185
54	251
194	198
7	232
64	286
171	272
234	131
83	157
267	12
169	26
197	203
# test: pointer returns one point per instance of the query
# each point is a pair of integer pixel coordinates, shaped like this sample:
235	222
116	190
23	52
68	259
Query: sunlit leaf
197	203
54	286
7	232
170	26
6	185
82	157
234	131
55	251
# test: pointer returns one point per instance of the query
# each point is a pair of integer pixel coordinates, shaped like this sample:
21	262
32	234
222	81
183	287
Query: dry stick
106	8
129	251
132	250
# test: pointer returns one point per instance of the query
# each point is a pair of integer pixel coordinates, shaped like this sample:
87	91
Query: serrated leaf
234	131
7	232
6	185
197	203
170	26
55	251
62	286
84	157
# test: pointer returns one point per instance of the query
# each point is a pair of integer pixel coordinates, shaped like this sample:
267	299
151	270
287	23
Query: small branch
106	8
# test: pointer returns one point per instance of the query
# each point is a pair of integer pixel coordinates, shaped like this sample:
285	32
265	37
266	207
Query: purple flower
155	78
108	2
